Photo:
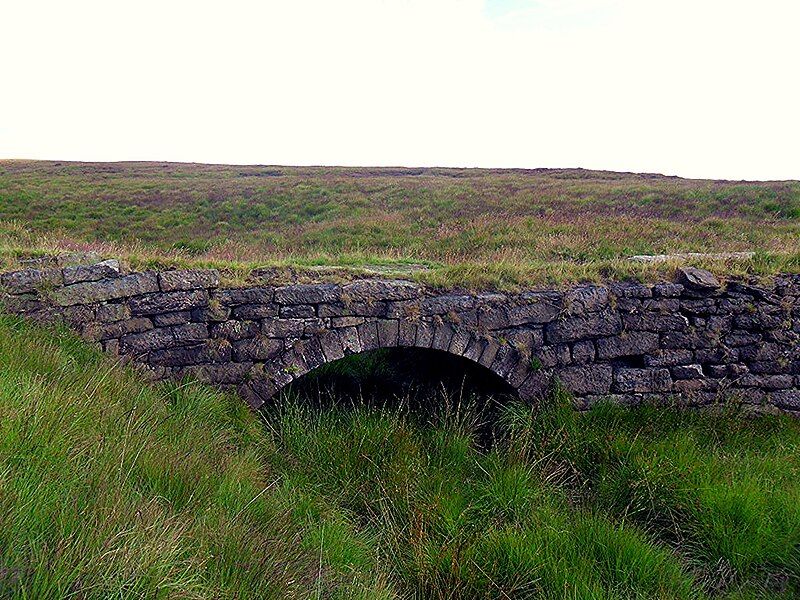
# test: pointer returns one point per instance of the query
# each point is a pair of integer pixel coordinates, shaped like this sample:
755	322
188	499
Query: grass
110	488
478	228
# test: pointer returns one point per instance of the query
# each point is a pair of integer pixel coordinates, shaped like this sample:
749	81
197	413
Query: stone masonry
693	340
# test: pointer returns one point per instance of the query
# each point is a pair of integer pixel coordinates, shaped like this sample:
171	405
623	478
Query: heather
478	228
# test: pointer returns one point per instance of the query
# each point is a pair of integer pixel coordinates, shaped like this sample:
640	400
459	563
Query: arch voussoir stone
695	340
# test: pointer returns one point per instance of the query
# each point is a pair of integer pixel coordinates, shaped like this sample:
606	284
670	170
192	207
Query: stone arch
508	362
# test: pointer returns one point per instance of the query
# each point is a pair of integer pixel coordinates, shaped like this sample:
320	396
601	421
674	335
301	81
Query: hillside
110	487
475	227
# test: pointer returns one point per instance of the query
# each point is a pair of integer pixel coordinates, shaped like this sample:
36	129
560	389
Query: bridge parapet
693	340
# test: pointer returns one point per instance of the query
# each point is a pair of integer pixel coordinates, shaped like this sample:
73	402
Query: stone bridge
693	340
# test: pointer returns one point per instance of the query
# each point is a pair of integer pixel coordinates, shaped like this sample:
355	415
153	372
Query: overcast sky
698	88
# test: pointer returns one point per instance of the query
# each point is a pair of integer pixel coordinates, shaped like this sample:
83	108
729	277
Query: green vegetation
111	488
479	228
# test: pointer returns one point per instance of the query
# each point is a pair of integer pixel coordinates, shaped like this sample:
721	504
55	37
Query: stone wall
693	340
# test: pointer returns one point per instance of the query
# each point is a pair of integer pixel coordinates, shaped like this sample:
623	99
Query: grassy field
479	228
110	488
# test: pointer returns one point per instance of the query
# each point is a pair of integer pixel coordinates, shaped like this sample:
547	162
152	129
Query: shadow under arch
509	363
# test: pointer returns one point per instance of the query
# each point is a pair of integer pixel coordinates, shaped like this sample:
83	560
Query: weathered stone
577	328
762	352
188	279
697	279
297	311
368	334
191	332
687	372
191	355
256	348
442	336
388	332
154	339
311	351
425	333
585	299
218	374
583	352
588	379
351	343
642	380
528	338
440	305
236	296
668	358
667	290
107	313
656	322
104	331
538	308
103	270
308	294
370	289
283	328
553	356
349	309
88	292
173	318
766	382
331	346
627	344
165	302
339	322
687	340
406	334
30	280
788	399
215	312
234	330
628	289
256	311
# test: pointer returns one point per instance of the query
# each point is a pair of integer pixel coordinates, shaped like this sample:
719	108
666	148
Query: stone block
165	302
642	380
579	328
697	279
236	296
257	311
687	372
108	313
106	269
586	299
583	352
31	280
440	305
182	356
388	330
586	379
283	328
369	290
627	344
308	294
234	330
172	318
256	349
88	292
188	279
331	346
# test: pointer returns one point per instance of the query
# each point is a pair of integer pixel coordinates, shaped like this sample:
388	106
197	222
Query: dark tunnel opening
418	379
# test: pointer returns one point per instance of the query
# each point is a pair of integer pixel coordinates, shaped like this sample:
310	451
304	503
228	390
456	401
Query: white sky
698	88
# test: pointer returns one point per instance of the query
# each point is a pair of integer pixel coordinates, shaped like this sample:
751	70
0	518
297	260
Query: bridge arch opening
397	374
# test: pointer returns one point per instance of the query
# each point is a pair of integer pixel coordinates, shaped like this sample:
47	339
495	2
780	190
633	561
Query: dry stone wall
693	340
